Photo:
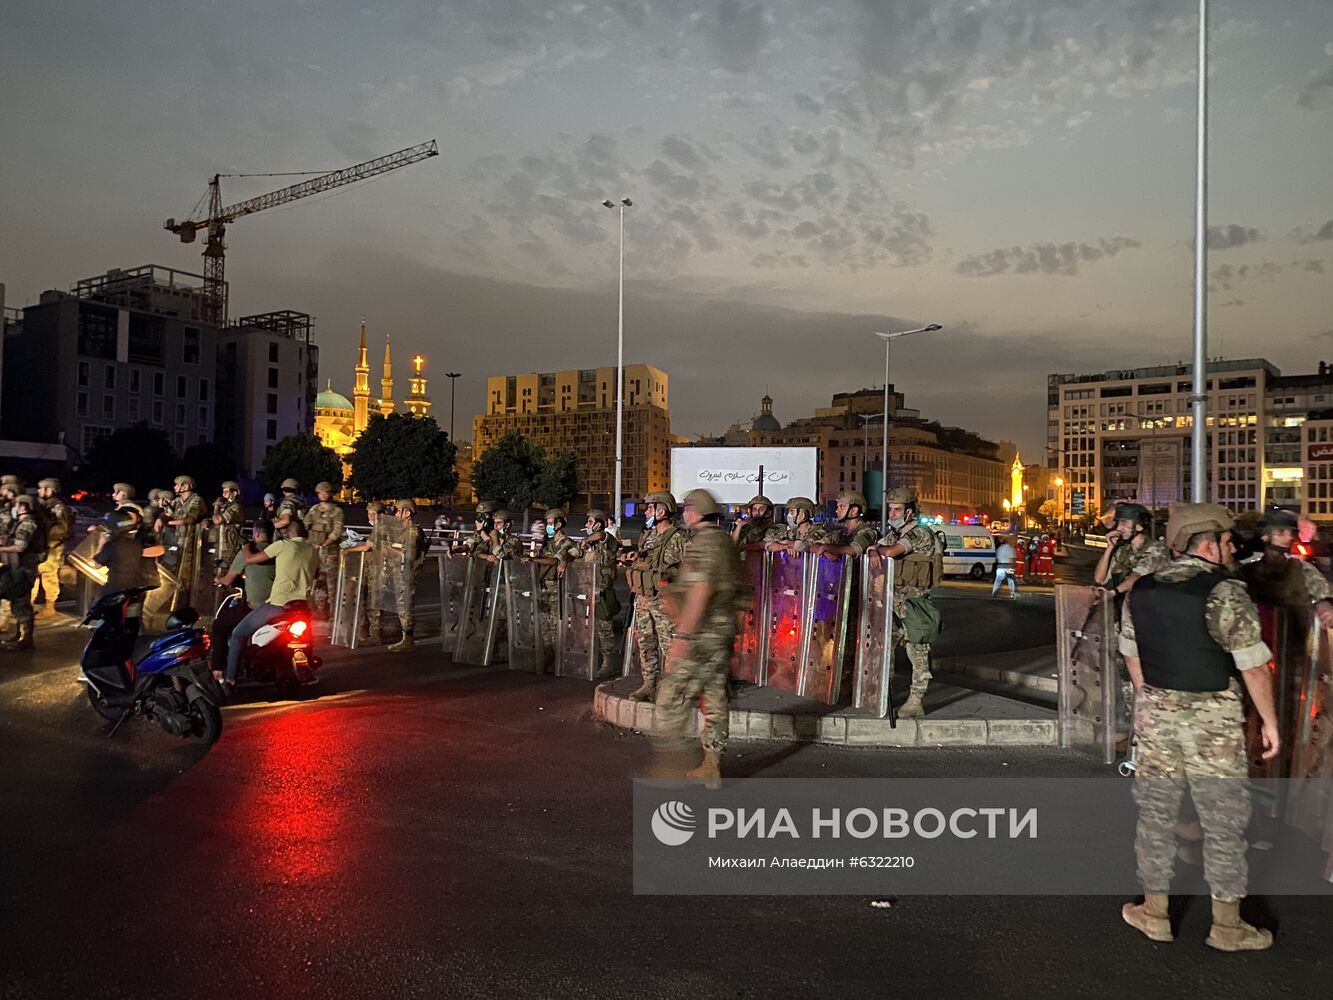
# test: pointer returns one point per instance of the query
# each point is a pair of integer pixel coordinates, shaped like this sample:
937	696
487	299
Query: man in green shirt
257	578
294	561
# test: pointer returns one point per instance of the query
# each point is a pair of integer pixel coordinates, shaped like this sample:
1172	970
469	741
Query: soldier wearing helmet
59	526
483	536
554	550
598	547
705	597
22	552
324	521
855	534
291	507
228	521
1188	631
655	565
919	566
1122	565
801	533
1277	579
187	518
10	487
753	524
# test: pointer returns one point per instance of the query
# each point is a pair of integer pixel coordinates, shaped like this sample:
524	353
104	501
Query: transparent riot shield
522	581
452	570
1085	631
392	548
347	597
827	608
91	575
630	655
788	586
577	630
1286	632
478	620
1309	805
874	646
750	660
195	570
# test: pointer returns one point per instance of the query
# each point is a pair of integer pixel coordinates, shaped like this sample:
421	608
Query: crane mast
215	224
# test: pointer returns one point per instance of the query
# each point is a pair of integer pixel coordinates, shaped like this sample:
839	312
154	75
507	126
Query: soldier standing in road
324	521
187	515
705	596
23	551
1187	631
59	526
483	536
409	554
919	556
228	522
661	549
499	543
557	550
11	487
290	507
856	534
372	572
800	533
600	548
1278	580
752	531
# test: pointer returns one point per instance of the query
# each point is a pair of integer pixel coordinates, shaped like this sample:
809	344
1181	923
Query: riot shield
630	655
195	569
392	548
828	599
1084	631
522	581
478	620
347	597
751	655
452	570
1309	805
1286	632
577	629
91	575
874	647
788	586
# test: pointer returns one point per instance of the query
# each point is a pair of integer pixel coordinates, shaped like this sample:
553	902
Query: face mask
649	521
897	523
791	519
550	531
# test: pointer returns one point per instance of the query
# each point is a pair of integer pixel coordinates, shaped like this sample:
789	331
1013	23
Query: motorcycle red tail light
298	628
208	642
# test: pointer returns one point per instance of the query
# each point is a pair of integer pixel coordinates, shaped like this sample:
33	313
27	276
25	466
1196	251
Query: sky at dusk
803	173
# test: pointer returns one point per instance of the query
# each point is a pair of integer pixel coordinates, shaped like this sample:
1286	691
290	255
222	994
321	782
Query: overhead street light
620	207
888	339
451	376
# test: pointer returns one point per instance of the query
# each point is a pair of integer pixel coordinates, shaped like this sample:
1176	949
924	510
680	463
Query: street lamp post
888	339
1198	395
865	419
452	376
620	207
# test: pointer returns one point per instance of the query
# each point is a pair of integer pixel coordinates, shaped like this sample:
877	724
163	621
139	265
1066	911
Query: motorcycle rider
294	564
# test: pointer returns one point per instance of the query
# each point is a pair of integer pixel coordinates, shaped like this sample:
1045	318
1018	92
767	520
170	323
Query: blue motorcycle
164	679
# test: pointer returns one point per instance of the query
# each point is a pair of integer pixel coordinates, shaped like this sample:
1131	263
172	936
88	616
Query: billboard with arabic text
732	474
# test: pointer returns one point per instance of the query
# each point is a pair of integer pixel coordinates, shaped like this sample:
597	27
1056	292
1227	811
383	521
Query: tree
301	457
211	465
558	481
140	455
507	472
403	456
1049	513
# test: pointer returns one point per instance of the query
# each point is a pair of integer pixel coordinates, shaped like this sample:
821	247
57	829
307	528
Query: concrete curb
840	728
1033	670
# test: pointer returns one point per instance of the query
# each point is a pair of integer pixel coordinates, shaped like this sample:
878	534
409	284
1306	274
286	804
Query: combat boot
912	708
647	692
1150	916
22	643
403	645
1230	933
710	770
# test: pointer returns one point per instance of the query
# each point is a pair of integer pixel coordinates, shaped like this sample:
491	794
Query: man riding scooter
257	582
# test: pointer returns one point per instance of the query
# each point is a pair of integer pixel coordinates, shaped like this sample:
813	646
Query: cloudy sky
803	173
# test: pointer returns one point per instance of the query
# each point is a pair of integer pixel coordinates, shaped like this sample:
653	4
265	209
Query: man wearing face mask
857	534
1191	636
600	548
483	536
919	557
557	550
800	533
753	530
661	549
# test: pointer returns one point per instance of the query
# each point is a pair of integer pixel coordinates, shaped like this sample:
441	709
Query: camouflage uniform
754	532
861	537
563	549
1195	738
602	551
192	510
660	555
290	506
227	535
921	544
6	532
59	526
324	521
701	677
29	535
1126	560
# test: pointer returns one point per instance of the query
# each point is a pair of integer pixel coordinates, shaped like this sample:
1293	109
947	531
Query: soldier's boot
22	643
405	644
647	692
1231	933
1150	917
913	708
710	770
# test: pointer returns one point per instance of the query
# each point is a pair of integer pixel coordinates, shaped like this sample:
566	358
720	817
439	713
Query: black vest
1175	649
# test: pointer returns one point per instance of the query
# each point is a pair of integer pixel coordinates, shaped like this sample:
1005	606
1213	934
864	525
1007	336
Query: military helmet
157	493
125	488
904	495
853	499
185	481
555	514
703	502
290	484
802	503
11	483
598	515
323	487
662	497
406	505
375	506
760	498
1133	512
25	500
503	515
1277	520
232	485
49	484
485	508
1189	519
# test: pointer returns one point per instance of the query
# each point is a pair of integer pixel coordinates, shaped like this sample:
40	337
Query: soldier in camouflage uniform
1278	580
59	526
290	507
228	522
800	533
495	546
919	556
1187	631
754	530
661	549
705	598
557	550
23	551
483	536
598	547
10	488
410	554
324	521
372	576
188	514
856	534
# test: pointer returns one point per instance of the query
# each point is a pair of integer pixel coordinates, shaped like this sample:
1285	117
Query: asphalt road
424	830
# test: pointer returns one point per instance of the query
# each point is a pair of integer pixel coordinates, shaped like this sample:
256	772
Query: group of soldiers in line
33	531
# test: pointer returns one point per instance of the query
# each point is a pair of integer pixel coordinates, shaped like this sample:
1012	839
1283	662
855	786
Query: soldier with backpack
919	556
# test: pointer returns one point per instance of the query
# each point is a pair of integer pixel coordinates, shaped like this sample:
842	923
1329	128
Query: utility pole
451	376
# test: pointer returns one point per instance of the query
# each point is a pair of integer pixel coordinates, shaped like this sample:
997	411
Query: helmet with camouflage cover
852	499
662	497
485	509
1190	519
25	501
49	484
904	495
186	481
232	485
702	503
126	488
598	515
407	506
376	506
803	503
556	514
760	499
290	484
503	515
324	487
12	483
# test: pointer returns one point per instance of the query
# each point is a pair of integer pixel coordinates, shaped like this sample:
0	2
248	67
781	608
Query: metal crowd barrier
1085	633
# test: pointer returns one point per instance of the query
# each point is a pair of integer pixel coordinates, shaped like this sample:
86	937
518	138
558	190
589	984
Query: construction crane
215	286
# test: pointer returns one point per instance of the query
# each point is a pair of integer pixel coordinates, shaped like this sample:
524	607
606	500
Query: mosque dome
330	400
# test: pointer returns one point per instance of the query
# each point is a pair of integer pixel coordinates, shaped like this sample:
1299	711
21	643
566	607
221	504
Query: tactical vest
923	570
653	580
60	521
1171	629
1277	582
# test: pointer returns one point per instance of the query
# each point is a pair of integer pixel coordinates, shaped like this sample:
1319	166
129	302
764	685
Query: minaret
386	383
361	390
417	403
